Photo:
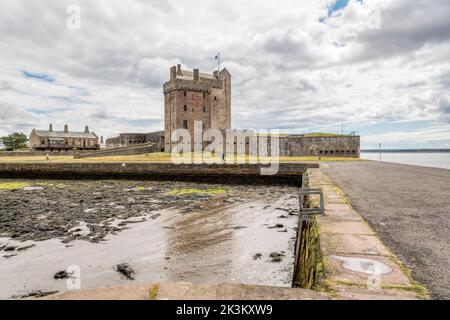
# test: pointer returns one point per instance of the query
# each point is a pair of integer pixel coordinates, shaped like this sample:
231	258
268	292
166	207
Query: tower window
185	125
185	107
185	94
204	109
215	98
204	95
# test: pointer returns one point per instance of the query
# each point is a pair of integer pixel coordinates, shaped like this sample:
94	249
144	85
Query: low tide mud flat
117	231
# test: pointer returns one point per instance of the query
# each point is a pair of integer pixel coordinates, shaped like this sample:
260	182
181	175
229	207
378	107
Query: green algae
13	185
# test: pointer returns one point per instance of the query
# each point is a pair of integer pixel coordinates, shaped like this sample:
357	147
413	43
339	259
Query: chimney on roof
173	73
196	75
179	70
86	129
101	139
66	128
50	128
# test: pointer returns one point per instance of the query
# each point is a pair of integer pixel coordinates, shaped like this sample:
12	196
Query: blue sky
38	76
338	5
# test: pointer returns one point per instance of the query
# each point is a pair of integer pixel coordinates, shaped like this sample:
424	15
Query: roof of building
62	134
189	75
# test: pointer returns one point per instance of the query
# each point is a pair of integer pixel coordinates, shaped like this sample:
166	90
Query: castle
193	96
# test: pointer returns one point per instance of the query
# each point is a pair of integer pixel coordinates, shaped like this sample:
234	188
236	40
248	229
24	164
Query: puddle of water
33	188
363	265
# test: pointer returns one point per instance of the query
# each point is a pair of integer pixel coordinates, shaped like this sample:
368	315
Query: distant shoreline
407	151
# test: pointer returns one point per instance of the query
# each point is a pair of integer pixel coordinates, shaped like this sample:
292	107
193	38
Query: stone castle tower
193	96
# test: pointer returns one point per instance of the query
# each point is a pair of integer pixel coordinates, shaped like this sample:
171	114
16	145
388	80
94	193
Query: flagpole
218	62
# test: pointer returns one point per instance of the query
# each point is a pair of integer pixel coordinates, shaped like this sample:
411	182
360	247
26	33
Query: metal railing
303	195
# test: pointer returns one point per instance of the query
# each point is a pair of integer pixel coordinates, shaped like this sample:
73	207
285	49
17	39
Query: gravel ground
409	207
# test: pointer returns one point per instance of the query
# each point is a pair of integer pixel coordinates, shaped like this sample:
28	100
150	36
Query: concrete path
409	208
357	264
189	291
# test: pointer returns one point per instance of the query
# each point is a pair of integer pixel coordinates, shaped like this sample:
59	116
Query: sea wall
290	174
308	263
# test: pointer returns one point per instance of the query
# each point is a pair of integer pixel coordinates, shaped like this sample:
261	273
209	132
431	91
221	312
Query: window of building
204	95
42	141
185	94
215	98
185	107
204	109
185	124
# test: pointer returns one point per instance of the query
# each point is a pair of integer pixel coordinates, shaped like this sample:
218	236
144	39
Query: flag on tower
217	57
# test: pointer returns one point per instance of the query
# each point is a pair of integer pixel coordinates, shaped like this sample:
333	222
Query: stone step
189	291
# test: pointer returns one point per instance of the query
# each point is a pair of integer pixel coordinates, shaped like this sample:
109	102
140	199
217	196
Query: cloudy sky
380	68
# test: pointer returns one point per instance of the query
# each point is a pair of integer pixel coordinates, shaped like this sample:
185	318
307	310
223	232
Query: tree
14	141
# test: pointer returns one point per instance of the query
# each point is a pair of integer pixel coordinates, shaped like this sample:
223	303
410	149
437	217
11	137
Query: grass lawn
156	158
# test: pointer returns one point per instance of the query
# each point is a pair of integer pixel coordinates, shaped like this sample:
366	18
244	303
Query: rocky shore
90	210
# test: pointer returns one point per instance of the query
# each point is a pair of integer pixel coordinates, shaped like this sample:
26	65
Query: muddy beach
161	231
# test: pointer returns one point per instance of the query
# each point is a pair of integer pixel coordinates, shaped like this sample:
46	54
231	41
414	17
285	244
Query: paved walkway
357	264
409	208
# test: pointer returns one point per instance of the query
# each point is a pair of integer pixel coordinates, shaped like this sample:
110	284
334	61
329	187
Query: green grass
321	134
164	157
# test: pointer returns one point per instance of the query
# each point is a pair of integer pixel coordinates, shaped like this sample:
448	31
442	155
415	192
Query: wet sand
201	238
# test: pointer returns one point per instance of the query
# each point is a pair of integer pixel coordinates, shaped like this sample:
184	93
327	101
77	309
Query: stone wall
293	145
321	146
127	151
291	173
34	153
131	139
301	146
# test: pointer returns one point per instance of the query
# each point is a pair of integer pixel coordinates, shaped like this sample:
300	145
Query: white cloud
429	136
292	66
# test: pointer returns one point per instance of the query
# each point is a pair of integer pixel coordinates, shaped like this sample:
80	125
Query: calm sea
436	160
